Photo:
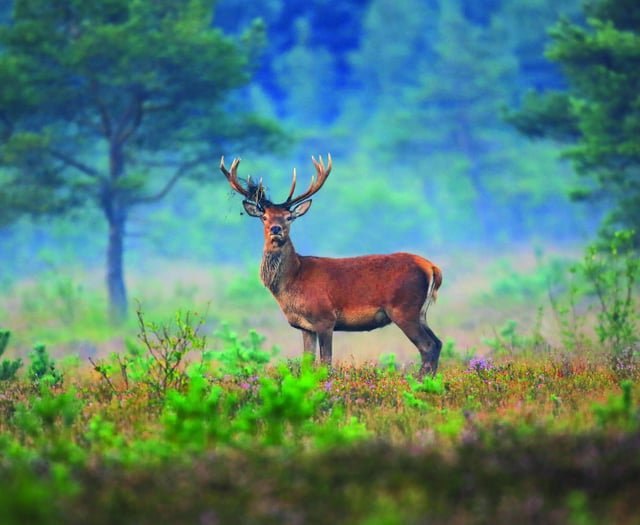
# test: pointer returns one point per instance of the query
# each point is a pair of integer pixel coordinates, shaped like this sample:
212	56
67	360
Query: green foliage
569	314
158	358
613	272
598	113
167	348
507	340
247	290
618	412
513	285
39	457
241	357
456	153
454	73
28	496
603	282
289	403
280	409
8	367
97	116
428	385
450	352
579	513
304	428
198	418
42	369
57	303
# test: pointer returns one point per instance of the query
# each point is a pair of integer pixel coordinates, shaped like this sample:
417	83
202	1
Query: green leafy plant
8	367
247	290
517	286
604	281
613	272
241	356
285	409
508	340
618	411
42	369
288	402
158	358
429	385
569	314
198	418
453	353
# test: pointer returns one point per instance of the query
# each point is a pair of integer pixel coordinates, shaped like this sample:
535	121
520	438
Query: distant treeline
408	96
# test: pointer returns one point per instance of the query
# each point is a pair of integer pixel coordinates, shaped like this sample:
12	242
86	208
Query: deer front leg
309	343
325	338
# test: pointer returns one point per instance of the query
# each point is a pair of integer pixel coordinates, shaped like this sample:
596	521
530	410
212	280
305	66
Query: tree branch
180	172
104	114
130	120
70	161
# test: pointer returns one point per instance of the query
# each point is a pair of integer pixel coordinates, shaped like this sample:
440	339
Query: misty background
408	96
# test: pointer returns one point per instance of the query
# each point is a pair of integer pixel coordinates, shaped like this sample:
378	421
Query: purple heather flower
481	364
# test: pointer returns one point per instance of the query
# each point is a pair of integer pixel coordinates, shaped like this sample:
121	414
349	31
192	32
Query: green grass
234	438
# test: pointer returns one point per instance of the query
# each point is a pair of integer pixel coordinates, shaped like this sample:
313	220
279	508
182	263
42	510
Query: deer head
276	218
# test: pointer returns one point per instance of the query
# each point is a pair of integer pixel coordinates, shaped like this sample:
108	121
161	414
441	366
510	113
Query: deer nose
275	230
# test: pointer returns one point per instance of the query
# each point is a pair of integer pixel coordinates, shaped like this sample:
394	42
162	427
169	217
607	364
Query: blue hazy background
408	97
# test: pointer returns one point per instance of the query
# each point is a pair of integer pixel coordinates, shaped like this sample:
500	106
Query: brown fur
320	295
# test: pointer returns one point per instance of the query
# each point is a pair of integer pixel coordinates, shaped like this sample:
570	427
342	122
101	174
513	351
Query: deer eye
289	218
263	218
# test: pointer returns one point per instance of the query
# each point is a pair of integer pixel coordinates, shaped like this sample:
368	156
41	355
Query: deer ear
301	209
253	209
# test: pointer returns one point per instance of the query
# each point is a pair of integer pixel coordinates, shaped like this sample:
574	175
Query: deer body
320	295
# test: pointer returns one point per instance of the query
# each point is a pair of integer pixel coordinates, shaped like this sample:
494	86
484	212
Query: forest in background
408	98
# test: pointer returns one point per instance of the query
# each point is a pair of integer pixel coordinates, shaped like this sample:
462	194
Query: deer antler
253	192
316	183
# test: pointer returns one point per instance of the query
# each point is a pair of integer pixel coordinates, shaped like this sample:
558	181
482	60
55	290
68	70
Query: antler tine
293	186
252	193
316	183
232	176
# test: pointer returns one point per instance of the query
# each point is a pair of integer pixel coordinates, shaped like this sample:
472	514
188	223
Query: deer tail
434	276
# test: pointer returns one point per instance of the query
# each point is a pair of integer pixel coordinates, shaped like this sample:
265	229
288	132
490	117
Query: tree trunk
115	274
115	210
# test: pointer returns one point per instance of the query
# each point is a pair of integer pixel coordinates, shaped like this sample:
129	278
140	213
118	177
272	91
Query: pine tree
598	114
111	102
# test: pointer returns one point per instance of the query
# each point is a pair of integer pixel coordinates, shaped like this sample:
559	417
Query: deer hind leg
309	342
432	356
425	340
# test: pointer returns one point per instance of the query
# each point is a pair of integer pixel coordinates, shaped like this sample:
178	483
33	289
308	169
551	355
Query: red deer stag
319	295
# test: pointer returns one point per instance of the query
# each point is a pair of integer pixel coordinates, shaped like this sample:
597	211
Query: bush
8	367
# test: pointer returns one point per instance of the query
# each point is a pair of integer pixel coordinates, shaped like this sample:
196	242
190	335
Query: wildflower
475	365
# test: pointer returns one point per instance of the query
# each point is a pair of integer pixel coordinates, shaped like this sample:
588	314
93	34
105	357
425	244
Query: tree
598	114
441	80
111	102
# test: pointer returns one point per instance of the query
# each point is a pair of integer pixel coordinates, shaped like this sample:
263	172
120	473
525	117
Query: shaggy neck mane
275	264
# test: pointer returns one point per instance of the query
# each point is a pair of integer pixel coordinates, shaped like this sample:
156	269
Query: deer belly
361	319
300	322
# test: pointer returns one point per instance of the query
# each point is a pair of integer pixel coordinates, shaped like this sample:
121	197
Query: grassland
193	417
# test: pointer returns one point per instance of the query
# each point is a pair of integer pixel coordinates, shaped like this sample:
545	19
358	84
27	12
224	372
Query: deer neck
279	265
